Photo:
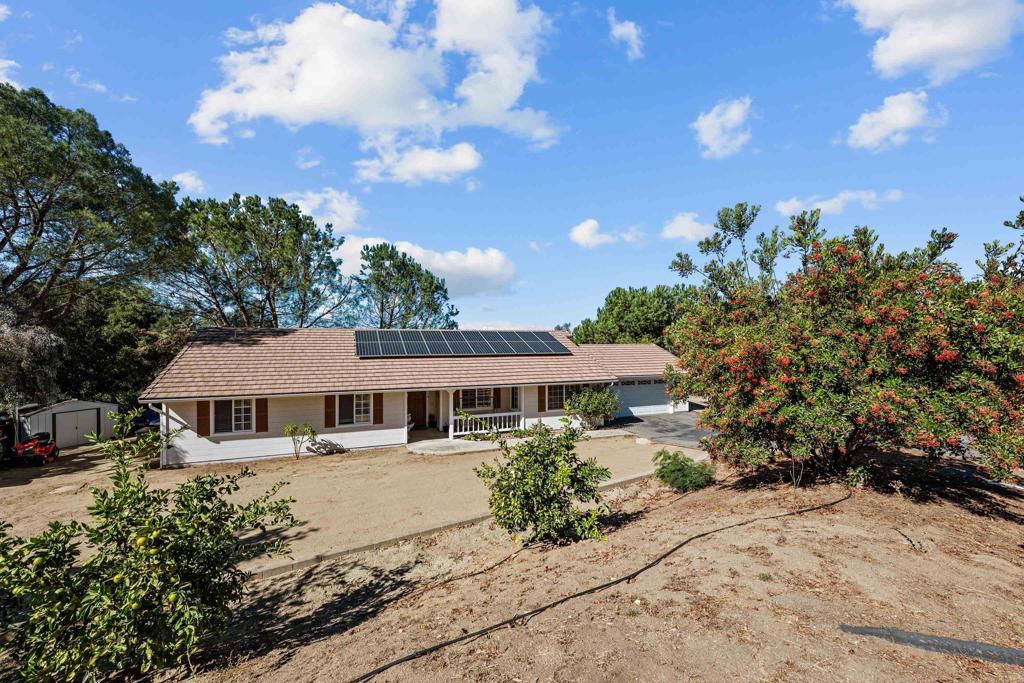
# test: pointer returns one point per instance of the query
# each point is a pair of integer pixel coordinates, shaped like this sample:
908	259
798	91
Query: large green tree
395	291
633	315
119	337
857	350
73	207
255	263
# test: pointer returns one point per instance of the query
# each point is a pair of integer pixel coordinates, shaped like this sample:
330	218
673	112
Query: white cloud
943	38
6	67
416	165
539	247
307	158
467	273
868	199
75	77
386	78
890	125
632	235
328	206
627	33
588	234
190	182
5	12
684	225
722	131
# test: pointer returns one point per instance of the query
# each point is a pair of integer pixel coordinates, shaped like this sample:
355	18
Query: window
232	416
659	381
629	382
355	409
558	393
644	381
514	400
475	399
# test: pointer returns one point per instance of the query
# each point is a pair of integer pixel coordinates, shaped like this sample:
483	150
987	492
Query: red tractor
38	450
17	447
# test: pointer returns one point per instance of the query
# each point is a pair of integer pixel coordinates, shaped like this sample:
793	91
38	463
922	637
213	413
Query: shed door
73	426
642	399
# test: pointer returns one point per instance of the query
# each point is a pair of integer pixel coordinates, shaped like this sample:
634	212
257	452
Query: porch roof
267	362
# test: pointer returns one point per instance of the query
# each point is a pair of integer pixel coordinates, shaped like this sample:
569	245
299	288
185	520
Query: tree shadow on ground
286	614
914	477
70	461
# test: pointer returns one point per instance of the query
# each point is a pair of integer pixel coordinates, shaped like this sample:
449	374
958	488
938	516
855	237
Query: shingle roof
268	362
629	360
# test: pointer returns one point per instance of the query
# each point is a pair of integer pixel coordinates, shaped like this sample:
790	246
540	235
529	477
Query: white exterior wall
552	418
189	448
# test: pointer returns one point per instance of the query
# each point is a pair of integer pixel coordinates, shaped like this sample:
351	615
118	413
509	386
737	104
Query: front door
418	408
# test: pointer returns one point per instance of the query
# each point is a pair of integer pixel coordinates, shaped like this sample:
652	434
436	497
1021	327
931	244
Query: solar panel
398	343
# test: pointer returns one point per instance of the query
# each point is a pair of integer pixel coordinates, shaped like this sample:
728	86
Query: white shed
69	421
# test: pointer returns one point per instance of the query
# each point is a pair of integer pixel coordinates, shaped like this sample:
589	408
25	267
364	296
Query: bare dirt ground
748	580
347	501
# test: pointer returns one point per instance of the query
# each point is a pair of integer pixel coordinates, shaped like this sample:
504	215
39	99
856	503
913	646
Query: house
231	391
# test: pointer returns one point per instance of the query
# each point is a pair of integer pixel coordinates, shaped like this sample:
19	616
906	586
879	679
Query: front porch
463	411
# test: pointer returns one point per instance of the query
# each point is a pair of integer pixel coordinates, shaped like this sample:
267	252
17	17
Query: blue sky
538	155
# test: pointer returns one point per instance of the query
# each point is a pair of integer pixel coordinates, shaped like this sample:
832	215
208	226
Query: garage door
642	397
72	427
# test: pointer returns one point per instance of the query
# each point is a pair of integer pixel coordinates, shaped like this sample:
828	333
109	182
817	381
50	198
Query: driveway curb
297	565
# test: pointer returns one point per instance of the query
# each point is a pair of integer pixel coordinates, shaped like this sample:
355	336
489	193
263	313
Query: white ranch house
229	393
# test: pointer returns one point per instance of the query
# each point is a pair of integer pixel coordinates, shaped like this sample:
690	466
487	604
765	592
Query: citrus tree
160	572
592	406
857	349
538	485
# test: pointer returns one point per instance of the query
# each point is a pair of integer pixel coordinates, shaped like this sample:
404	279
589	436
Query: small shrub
537	485
300	435
592	406
682	473
632	612
163	572
766	576
857	477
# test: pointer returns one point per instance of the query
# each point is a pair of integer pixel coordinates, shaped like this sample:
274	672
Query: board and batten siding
189	448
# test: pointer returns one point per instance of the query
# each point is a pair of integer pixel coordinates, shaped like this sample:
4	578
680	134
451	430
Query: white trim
233	432
375	390
353	423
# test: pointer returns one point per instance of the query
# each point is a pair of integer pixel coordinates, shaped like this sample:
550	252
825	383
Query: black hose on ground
526	616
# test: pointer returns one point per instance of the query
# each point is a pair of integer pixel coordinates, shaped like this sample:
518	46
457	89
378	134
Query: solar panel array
388	343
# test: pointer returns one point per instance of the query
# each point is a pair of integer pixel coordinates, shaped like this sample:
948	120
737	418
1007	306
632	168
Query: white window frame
357	415
477	404
513	401
236	403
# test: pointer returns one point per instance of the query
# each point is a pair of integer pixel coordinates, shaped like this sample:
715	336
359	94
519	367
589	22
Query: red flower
947	356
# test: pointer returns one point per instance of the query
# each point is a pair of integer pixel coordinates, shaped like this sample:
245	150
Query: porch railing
485	422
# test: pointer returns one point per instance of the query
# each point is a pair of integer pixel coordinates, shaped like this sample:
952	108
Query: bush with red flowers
857	350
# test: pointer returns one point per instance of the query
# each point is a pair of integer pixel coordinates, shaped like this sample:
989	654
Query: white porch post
522	406
451	413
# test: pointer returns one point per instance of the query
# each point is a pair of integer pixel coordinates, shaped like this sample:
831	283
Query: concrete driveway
676	429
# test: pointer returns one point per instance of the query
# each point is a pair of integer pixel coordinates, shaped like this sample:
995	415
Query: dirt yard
347	501
746	580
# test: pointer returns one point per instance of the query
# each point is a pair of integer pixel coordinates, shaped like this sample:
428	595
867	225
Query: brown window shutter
261	415
378	409
542	399
330	414
203	418
497	397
